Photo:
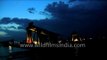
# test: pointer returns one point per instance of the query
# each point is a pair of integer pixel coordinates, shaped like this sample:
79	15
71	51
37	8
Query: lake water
5	52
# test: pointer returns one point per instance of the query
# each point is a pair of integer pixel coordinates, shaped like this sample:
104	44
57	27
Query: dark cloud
83	17
22	22
5	20
58	10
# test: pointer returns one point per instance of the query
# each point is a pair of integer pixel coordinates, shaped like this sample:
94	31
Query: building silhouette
40	35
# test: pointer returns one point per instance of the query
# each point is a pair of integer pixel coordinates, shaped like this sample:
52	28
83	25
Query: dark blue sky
86	17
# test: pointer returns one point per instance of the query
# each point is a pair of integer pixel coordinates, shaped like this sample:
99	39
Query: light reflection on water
5	52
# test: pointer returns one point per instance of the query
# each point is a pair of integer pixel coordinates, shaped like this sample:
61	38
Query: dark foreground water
6	54
92	49
37	53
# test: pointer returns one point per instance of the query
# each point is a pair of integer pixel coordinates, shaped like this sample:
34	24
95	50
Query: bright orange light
29	40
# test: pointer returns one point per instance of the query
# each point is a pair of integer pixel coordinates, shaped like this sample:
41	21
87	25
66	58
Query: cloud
83	16
12	31
3	34
11	27
7	20
57	10
14	24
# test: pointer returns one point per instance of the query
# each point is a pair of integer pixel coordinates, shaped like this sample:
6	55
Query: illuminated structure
30	29
75	37
38	35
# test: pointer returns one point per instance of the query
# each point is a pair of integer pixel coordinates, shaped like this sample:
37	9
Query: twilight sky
18	8
61	16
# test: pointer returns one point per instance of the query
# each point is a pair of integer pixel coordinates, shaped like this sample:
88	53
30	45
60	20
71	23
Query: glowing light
83	38
75	40
10	49
35	42
90	38
72	39
29	39
33	29
43	33
38	42
2	33
59	41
